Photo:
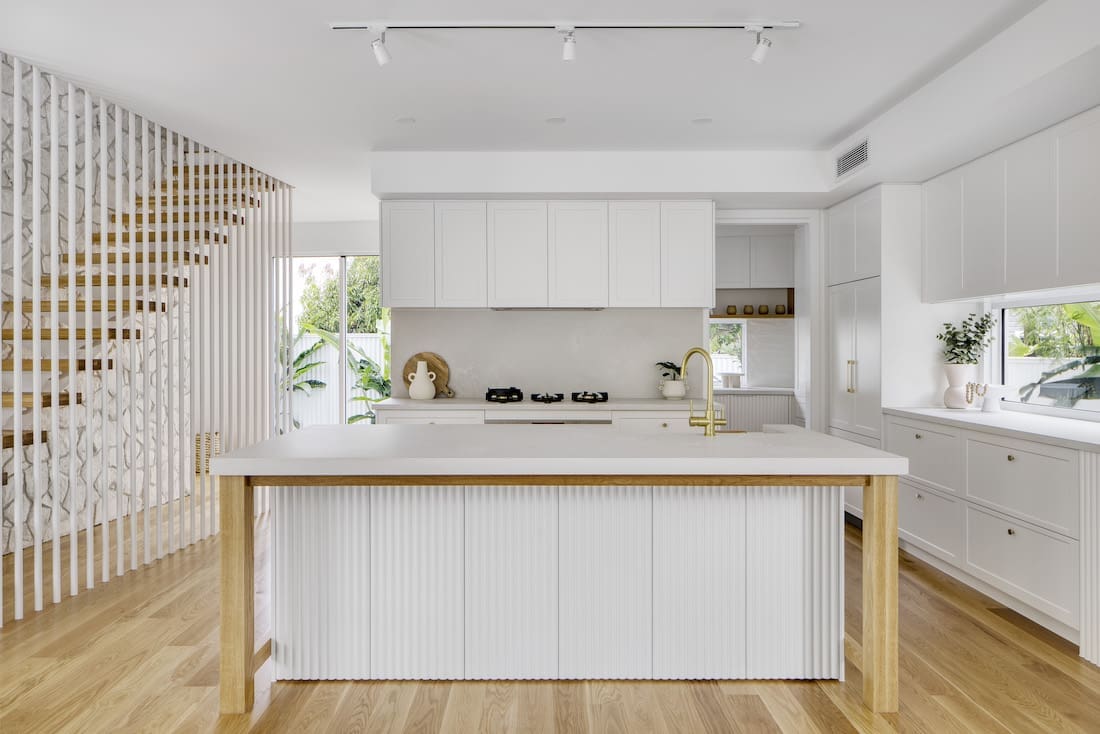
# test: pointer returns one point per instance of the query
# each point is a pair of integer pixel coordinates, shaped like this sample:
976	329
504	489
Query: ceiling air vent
852	160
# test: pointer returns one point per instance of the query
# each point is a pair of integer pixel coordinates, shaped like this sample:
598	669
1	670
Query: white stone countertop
389	450
1083	435
527	404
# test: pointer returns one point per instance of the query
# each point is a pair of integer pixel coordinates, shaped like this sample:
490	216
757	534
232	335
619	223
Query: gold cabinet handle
664	425
1011	457
920	496
851	381
1011	531
917	436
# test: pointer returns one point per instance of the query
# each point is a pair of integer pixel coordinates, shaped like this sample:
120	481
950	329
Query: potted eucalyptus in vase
963	346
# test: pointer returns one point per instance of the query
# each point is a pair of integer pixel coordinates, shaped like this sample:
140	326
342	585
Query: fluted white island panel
535	552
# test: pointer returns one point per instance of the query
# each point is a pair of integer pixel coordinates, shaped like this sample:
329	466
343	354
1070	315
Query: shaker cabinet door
577	253
942	277
408	254
460	247
687	254
517	254
634	254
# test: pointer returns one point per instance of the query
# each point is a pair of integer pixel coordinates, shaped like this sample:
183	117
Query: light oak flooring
140	654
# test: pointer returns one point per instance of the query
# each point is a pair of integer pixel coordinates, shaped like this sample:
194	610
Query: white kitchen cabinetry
754	261
943	237
517	243
634	254
983	232
854	317
460	254
408	252
577	256
733	261
855	238
687	254
1001	511
1025	217
428	417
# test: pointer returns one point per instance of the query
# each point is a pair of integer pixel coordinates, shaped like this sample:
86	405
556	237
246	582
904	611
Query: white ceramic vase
421	382
958	376
673	389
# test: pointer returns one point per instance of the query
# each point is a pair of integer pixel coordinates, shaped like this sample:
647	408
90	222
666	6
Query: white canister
421	382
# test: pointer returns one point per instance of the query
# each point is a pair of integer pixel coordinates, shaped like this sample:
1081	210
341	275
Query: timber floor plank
140	654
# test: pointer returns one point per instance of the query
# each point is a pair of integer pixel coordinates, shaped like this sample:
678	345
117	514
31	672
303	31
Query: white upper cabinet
942	278
1031	214
408	254
634	254
1079	200
772	261
983	231
867	247
577	256
733	260
517	241
855	238
687	254
460	254
1023	218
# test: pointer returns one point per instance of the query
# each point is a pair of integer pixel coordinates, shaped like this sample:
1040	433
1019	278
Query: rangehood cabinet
547	254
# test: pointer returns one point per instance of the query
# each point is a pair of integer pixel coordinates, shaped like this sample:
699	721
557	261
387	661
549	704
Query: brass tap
709	420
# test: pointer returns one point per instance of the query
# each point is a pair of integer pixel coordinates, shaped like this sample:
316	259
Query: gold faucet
708	420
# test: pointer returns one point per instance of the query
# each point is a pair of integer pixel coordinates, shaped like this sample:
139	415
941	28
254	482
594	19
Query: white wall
335	238
550	351
769	353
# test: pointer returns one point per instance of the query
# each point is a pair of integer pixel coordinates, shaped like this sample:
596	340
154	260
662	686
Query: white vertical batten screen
108	223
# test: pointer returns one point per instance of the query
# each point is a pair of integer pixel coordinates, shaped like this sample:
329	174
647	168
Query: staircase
104	278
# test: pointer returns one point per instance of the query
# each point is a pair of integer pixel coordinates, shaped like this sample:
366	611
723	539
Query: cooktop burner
504	395
589	397
548	397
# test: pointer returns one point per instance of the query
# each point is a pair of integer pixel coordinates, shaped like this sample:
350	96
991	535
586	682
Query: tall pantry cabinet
882	344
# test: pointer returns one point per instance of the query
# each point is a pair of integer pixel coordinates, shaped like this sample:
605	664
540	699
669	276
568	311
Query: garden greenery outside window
1051	355
727	348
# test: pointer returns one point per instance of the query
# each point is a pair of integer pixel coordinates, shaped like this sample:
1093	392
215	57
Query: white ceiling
266	81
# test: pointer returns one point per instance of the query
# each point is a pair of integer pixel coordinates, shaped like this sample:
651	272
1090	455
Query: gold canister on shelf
731	310
747	310
763	310
780	310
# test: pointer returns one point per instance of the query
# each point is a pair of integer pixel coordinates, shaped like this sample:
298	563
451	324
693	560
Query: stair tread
28	399
81	281
28	438
165	235
62	365
142	305
81	334
154	256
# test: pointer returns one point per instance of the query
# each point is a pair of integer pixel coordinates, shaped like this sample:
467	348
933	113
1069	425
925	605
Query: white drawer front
670	424
933	522
1036	567
935	453
1035	482
418	417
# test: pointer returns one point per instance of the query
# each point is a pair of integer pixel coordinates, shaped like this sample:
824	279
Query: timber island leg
237	595
880	594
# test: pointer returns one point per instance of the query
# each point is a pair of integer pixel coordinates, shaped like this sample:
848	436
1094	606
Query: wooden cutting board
436	364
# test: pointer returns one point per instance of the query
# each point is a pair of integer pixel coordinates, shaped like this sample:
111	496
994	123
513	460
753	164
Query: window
340	329
1051	355
727	348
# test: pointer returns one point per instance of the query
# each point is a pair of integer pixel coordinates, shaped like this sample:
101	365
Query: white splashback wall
554	351
770	353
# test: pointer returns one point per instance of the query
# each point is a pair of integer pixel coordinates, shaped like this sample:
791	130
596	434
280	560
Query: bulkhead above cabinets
548	254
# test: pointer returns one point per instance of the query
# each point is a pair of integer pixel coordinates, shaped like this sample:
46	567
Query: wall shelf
753	316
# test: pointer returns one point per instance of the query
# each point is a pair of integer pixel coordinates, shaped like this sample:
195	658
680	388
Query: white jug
421	382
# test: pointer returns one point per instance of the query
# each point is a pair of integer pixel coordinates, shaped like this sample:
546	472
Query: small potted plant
963	346
672	384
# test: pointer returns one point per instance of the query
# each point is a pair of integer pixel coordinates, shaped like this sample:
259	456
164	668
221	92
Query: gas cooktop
515	395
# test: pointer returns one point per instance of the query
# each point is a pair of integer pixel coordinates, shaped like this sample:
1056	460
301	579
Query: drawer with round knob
932	521
1033	565
935	453
1032	481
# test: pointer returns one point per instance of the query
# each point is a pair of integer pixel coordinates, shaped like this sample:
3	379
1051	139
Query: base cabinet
1004	511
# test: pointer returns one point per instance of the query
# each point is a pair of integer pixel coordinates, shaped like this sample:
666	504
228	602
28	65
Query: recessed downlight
555	120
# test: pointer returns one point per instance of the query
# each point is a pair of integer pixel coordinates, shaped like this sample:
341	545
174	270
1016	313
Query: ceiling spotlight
568	43
763	43
378	45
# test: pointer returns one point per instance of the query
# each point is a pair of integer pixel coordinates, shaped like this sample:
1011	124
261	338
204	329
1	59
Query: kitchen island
556	552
